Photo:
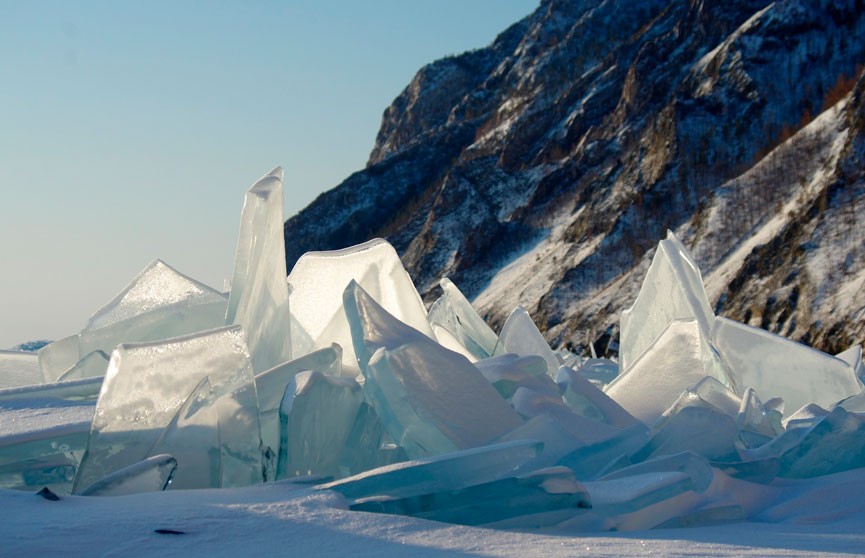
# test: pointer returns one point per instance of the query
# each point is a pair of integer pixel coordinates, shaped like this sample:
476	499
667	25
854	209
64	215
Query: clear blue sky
129	131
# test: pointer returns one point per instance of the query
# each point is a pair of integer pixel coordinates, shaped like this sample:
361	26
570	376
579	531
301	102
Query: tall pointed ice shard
521	336
430	400
259	295
672	290
453	312
318	280
147	383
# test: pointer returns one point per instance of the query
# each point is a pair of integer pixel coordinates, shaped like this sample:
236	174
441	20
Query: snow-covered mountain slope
543	169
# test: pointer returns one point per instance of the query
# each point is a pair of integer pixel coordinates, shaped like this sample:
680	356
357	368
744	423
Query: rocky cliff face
542	170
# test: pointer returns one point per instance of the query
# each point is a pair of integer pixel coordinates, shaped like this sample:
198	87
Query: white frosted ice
777	367
159	303
147	383
259	295
668	367
318	280
672	290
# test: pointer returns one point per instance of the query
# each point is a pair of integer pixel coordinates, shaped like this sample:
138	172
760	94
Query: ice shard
368	445
271	385
530	403
695	466
557	441
587	400
451	471
318	280
672	290
671	365
540	491
42	440
692	424
57	357
93	365
454	313
508	372
835	443
193	437
600	371
753	417
149	475
147	383
159	303
521	336
853	357
635	492
594	460
19	368
775	366
73	390
259	294
430	400
316	417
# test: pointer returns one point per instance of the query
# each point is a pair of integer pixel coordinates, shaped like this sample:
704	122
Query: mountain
542	170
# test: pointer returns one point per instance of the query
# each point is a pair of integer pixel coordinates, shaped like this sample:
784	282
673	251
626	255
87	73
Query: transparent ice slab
672	290
159	303
753	417
368	445
508	372
695	466
259	294
57	357
451	471
557	441
316	417
632	493
530	403
149	475
193	436
696	426
587	400
93	365
537	492
271	385
41	441
429	399
454	313
836	443
73	390
775	366
318	280
671	365
599	371
594	460
147	383
521	336
19	368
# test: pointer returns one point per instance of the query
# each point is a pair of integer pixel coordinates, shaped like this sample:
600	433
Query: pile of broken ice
340	376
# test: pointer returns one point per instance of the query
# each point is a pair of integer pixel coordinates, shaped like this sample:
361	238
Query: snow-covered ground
823	516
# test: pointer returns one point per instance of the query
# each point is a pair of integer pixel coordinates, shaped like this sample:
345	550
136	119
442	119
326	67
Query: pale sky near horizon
129	131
